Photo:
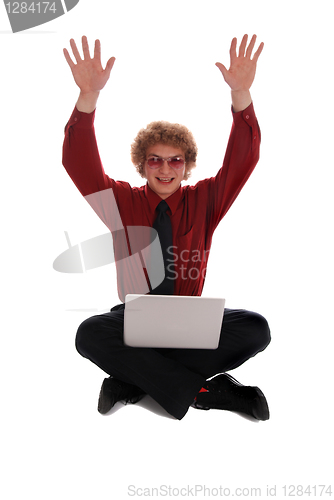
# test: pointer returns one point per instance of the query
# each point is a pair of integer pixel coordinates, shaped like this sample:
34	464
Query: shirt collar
154	199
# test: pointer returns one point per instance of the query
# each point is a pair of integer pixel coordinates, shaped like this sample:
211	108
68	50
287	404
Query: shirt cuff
245	116
81	119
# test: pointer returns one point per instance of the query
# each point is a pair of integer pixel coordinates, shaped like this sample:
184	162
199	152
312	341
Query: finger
68	59
250	46
109	65
258	52
75	50
243	46
222	69
97	50
233	50
85	48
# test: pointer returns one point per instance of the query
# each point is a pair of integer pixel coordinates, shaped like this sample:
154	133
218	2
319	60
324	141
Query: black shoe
114	390
226	393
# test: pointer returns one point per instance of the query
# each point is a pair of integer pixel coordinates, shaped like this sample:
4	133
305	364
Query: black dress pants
172	377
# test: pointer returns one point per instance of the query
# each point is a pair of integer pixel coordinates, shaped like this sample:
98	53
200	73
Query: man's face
164	180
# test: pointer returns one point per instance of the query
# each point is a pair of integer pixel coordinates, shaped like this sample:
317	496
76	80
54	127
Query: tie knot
163	206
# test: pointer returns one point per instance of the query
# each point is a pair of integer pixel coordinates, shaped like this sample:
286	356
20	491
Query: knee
261	331
84	336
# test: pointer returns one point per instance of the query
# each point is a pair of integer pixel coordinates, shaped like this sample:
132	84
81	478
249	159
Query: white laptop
172	321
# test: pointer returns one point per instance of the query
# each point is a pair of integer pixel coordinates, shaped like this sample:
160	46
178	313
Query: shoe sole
105	402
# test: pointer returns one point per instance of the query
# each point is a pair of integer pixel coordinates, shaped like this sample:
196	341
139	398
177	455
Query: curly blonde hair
172	134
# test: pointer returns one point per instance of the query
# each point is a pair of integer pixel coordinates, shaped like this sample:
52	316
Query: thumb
222	69
109	65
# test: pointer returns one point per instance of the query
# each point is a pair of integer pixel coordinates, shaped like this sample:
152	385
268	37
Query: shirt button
75	119
247	116
254	137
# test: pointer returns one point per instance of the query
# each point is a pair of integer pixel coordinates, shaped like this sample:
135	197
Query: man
164	154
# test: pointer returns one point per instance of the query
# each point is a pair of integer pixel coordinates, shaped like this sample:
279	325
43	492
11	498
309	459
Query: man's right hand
88	74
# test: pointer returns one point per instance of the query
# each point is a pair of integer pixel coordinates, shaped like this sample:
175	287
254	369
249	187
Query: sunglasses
174	162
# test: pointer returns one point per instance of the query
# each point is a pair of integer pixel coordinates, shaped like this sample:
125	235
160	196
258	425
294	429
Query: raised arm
241	73
81	157
88	73
243	147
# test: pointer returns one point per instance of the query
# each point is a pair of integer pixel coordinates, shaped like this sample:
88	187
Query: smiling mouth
165	180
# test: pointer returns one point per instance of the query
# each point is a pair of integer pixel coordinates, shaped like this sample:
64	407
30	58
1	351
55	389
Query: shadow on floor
149	404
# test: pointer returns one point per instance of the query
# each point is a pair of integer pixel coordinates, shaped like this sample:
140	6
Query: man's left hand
242	69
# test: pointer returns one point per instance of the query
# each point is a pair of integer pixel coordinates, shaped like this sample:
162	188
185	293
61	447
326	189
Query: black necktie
163	226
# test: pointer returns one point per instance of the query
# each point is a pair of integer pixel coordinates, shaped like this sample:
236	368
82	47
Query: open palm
88	72
242	69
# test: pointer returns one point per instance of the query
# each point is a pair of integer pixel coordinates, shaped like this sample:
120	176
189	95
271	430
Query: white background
272	253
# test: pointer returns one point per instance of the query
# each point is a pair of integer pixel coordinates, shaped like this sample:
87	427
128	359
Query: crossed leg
173	377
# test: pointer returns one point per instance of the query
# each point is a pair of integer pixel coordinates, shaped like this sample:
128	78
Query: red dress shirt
195	211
